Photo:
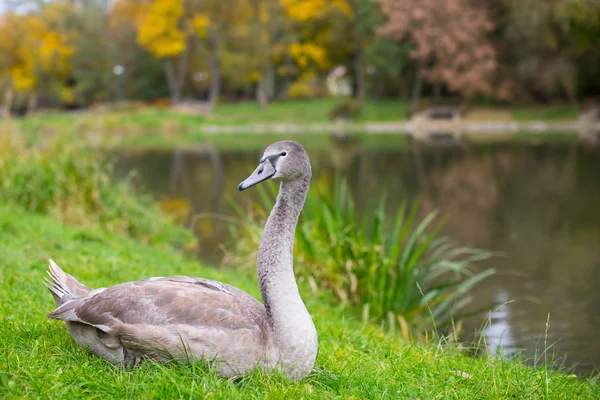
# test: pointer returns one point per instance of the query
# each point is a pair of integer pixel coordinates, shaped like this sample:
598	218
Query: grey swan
194	319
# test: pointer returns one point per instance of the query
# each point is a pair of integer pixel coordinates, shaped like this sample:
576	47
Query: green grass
550	137
296	111
301	112
559	112
247	113
259	141
39	360
138	126
63	177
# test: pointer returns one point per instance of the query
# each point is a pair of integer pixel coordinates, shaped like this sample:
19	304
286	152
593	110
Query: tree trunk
360	83
359	76
7	106
288	64
377	87
261	93
32	104
215	71
404	86
183	64
437	90
172	82
418	87
568	84
270	81
261	90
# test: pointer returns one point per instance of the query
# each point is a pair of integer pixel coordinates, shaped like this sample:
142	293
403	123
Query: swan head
285	161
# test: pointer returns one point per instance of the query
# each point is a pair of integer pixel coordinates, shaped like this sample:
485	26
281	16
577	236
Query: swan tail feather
63	286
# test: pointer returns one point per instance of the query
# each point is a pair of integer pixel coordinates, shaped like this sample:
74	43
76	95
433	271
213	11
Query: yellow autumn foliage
67	95
306	10
200	22
55	53
255	76
309	53
300	89
33	48
23	77
159	29
263	13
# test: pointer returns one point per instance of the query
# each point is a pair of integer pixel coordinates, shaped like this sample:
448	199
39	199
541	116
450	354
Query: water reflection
537	205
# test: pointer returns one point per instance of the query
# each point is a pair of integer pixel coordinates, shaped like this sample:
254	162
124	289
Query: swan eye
284	154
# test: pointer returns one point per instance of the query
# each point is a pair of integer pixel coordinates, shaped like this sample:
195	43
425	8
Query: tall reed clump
392	269
63	177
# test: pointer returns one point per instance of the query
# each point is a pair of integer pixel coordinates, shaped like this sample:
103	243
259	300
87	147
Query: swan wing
166	317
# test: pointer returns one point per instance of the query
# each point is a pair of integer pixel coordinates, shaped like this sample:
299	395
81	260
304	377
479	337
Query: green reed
396	269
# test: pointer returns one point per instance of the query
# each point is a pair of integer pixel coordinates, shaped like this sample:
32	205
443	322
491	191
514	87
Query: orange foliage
452	32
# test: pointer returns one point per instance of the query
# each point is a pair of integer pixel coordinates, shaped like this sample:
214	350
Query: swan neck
291	326
275	254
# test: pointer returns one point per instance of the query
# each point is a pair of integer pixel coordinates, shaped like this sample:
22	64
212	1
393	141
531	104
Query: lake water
538	205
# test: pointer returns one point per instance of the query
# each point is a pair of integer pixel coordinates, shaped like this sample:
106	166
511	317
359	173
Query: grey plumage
194	318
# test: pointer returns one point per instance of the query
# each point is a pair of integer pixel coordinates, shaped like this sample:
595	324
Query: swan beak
264	171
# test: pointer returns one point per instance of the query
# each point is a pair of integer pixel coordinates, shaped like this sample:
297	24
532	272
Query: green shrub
63	177
391	269
300	90
346	109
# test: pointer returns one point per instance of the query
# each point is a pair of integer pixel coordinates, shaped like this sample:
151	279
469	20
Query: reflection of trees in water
349	159
464	188
539	199
534	205
549	223
188	174
191	179
551	255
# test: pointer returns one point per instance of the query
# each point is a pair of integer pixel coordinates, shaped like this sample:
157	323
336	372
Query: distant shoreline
246	125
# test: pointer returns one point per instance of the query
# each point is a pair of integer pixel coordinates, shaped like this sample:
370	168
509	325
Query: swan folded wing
161	312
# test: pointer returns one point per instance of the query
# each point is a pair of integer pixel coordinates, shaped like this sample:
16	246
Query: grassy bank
140	127
139	118
294	112
63	177
355	361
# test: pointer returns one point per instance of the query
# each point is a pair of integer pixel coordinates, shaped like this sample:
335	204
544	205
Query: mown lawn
356	361
247	113
141	127
293	111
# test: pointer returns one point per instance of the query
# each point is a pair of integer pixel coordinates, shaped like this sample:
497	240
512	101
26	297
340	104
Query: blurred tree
389	63
269	35
323	35
37	53
95	53
146	76
172	29
217	24
451	44
374	55
160	31
63	51
545	40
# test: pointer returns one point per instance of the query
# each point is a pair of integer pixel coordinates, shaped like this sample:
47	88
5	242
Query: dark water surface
539	205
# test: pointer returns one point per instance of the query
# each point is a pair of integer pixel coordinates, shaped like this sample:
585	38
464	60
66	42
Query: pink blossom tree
451	43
